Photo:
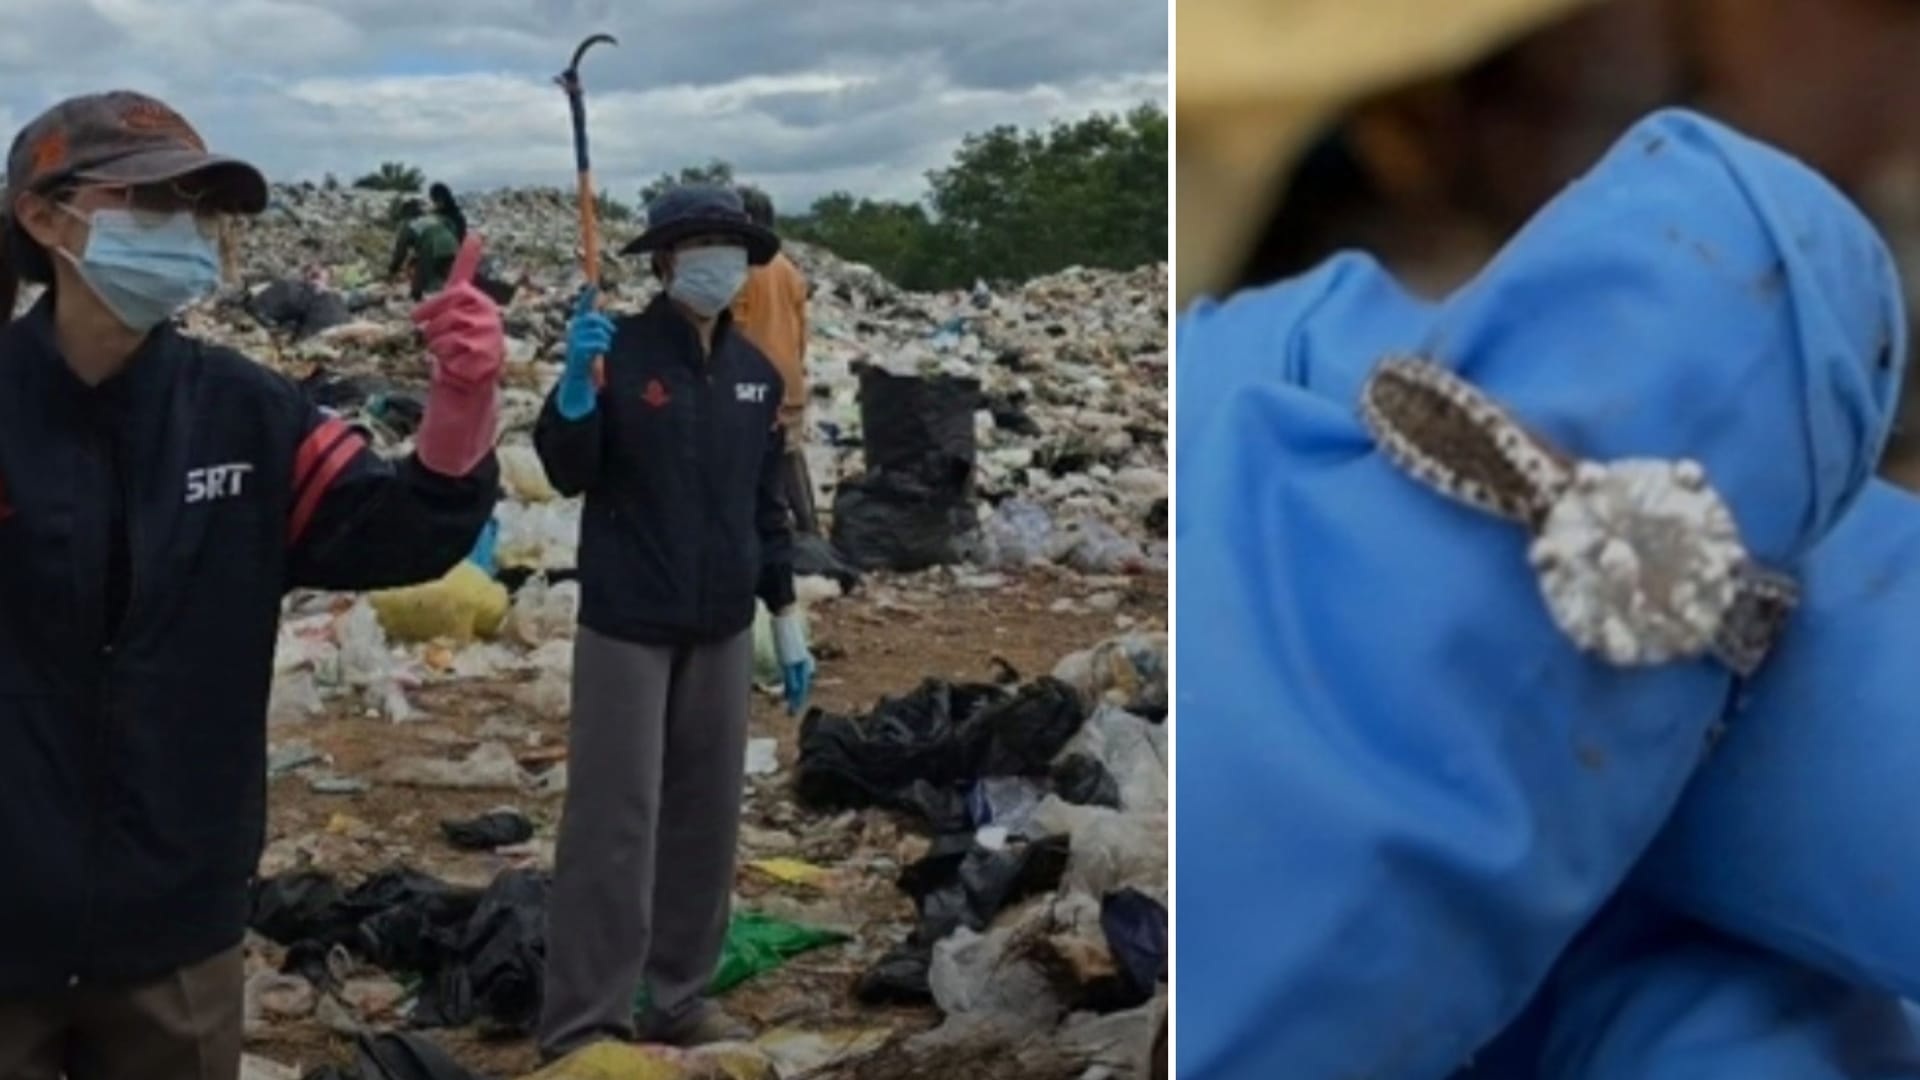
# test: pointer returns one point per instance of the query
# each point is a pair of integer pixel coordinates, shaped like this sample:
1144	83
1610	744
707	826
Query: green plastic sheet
757	944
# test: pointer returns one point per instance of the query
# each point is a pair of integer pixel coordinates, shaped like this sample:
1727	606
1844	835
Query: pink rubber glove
468	345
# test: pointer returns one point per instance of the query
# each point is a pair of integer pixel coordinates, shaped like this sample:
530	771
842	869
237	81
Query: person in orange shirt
772	310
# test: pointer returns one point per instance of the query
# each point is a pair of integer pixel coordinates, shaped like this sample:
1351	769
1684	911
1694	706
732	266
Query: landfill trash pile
417	736
1051	396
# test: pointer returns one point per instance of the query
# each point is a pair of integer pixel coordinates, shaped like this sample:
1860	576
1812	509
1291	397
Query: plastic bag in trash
756	944
919	426
493	829
1083	781
1019	533
919	753
977	974
291	907
523	475
543	612
1136	928
891	521
1130	672
1133	752
1006	801
461	606
1094	547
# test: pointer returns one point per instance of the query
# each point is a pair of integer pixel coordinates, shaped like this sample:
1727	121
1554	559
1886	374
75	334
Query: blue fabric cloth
1800	831
1647	995
1402	791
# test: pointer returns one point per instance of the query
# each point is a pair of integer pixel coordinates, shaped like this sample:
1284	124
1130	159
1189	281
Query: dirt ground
882	641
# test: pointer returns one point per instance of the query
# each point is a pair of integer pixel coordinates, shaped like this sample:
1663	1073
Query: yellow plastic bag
461	606
614	1061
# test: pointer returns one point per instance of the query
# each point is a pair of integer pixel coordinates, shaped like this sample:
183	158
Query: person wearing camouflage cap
678	450
158	497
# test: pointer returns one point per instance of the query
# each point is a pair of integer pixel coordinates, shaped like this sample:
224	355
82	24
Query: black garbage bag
1022	735
919	754
920	426
1082	780
296	906
901	977
495	974
958	883
815	556
894	521
496	828
412	922
849	762
299	307
1136	929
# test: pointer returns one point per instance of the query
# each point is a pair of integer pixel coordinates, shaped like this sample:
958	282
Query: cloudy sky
803	96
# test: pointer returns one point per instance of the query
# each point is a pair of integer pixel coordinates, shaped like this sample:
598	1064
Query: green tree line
1012	205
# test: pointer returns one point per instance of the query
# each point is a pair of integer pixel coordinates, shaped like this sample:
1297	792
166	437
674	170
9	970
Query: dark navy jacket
685	519
133	719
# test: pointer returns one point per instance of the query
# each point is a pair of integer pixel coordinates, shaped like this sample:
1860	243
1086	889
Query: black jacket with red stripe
685	518
133	719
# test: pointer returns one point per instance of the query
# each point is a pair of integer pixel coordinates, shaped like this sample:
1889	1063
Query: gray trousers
181	1026
645	863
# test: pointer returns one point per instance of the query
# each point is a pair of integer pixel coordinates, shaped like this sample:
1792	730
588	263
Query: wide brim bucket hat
682	213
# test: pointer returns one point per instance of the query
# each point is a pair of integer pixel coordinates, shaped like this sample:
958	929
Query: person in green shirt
428	240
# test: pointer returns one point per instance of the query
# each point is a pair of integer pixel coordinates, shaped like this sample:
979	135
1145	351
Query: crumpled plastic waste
1128	671
463	605
617	1061
959	884
491	766
756	944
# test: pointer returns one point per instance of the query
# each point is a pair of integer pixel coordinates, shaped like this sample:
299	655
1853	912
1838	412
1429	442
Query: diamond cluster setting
1639	560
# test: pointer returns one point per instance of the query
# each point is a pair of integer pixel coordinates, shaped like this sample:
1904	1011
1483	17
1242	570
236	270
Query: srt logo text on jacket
753	392
216	481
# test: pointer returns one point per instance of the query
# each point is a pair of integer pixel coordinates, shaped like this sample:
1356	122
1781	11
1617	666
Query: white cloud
804	98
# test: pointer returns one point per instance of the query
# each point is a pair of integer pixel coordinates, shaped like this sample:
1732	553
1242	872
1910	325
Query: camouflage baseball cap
122	137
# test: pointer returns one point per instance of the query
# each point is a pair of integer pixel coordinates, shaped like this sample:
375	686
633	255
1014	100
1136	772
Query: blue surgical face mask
707	279
146	266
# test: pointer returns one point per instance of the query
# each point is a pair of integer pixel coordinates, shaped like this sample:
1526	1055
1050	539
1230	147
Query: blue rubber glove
1405	791
483	554
796	661
1647	994
589	335
1798	834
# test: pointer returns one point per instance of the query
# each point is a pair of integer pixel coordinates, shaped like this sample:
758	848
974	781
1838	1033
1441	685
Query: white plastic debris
762	757
491	766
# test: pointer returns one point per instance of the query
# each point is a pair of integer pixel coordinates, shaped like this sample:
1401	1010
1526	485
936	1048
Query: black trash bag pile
478	954
919	754
496	977
959	883
889	521
493	829
914	507
298	307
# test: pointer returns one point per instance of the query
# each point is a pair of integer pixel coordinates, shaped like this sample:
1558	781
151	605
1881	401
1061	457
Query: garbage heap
1039	888
1001	427
1042	899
